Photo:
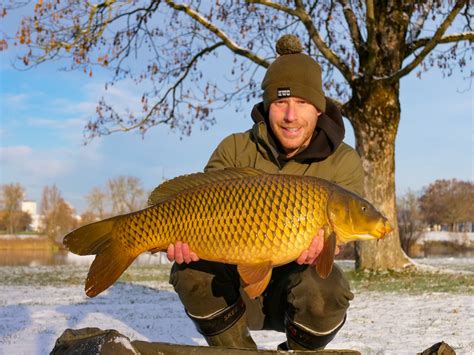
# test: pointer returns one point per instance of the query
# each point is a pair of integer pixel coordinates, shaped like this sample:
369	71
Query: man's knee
204	287
319	305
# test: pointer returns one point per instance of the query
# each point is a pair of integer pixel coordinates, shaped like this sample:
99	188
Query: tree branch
300	13
455	37
229	43
420	21
351	20
430	43
172	90
372	47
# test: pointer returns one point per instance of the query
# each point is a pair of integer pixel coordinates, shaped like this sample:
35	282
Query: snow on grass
33	314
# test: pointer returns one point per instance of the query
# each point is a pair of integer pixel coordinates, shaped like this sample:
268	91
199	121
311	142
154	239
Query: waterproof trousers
311	310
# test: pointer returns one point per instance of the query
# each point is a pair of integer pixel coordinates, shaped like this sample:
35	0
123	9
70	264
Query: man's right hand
180	253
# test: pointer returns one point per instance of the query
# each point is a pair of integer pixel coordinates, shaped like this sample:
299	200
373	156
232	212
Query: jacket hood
326	138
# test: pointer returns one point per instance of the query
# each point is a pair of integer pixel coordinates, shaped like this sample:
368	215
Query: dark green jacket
326	156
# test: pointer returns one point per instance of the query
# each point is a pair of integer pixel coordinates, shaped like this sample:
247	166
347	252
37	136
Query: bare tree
88	217
126	194
57	215
448	202
365	48
11	197
22	221
97	201
122	194
410	221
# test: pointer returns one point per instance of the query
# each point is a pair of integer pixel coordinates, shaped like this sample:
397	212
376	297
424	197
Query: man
296	131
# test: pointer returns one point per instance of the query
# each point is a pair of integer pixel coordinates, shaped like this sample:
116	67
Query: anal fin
256	277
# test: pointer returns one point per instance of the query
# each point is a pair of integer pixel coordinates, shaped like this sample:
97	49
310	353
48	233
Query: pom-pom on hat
293	73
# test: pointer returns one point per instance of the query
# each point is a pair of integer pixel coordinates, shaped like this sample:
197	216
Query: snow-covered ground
32	318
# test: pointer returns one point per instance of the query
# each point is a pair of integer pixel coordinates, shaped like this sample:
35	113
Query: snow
456	238
32	318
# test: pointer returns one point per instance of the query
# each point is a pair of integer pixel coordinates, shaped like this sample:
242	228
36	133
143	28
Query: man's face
293	121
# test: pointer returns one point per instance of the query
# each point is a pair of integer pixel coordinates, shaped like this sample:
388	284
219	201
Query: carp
240	216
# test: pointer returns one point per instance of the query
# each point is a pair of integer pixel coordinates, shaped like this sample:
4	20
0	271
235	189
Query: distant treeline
57	217
445	203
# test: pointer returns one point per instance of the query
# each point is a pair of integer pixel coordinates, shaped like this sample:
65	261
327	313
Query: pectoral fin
325	260
256	278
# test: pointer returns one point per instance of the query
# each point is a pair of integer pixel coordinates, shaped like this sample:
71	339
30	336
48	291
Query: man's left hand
310	255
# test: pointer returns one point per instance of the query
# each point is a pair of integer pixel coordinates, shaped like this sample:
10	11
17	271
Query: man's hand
310	255
180	253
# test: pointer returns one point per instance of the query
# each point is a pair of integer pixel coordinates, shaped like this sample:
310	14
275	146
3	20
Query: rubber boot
237	336
299	338
227	327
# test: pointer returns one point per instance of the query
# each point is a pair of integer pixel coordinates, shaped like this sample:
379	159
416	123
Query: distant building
30	207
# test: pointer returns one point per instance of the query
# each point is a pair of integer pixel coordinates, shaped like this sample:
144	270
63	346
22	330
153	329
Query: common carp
239	216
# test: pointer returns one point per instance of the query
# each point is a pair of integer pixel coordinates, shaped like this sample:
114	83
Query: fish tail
111	259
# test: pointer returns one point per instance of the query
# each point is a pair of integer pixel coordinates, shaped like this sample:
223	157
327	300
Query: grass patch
411	282
42	275
76	275
147	273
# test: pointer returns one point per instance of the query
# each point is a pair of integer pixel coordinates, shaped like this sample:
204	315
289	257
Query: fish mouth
366	236
382	229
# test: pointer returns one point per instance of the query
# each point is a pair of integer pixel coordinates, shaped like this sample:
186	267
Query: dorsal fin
174	186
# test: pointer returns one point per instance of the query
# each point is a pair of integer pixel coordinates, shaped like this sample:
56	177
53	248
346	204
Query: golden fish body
237	216
242	221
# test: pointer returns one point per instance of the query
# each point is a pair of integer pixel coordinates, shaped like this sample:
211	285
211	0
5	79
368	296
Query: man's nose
290	114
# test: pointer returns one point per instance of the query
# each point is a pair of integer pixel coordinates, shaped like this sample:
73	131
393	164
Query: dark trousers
295	292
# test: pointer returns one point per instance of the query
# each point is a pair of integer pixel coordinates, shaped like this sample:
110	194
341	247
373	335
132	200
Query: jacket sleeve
350	173
224	156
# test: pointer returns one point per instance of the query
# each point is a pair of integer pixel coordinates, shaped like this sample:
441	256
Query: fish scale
265	213
239	216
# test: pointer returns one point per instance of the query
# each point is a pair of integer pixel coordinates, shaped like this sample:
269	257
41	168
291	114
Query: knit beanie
293	74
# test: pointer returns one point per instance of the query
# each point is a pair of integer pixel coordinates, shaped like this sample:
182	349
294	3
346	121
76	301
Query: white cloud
14	100
81	109
74	169
22	161
63	124
15	152
121	96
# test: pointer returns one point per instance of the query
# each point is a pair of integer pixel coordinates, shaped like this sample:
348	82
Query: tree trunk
374	111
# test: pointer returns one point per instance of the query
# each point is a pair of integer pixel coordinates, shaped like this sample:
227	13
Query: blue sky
43	112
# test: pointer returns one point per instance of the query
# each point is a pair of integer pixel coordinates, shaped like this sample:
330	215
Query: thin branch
229	43
172	90
330	34
300	13
455	37
468	17
372	47
430	44
420	21
351	20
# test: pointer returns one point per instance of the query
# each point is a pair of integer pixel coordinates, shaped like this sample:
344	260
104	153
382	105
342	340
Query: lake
50	258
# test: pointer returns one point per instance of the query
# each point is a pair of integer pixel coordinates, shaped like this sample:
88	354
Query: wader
309	309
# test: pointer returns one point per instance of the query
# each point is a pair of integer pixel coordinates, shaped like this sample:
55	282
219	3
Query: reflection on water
31	257
49	258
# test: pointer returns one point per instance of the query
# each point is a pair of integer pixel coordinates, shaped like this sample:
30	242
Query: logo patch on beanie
283	92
